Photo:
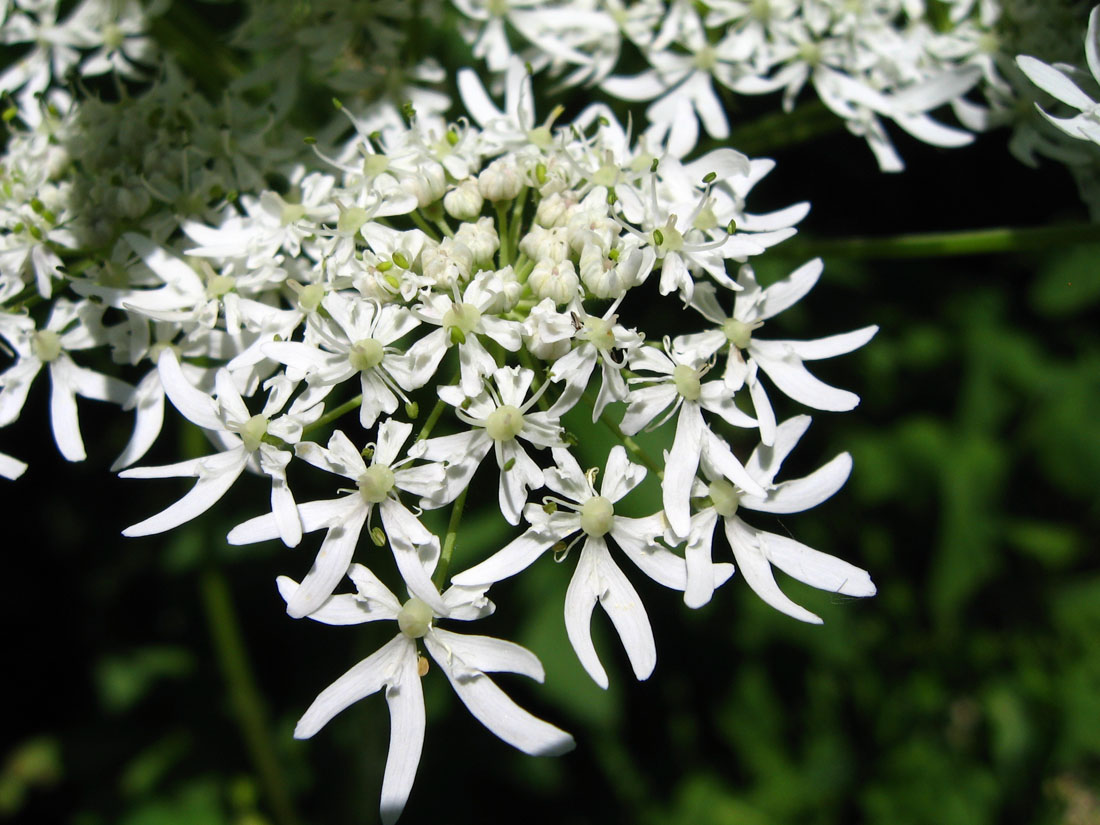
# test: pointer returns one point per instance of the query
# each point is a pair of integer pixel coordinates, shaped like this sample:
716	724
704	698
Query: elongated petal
193	404
794	380
517	555
405	697
803	493
313	514
756	570
815	568
637	538
416	552
1053	82
380	668
63	415
338	609
492	707
216	475
697	558
329	567
491	655
148	401
620	475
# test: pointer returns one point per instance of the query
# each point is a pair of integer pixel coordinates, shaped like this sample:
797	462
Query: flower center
291	213
504	423
46	344
687	382
597	515
737	333
724	497
460	320
598	331
365	354
219	285
351	220
375	484
415	618
309	299
253	432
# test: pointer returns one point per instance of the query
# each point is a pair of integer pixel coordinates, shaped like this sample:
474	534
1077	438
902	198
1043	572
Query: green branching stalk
998	240
633	446
449	540
333	414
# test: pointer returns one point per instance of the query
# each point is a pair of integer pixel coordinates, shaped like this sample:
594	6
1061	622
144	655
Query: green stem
332	415
248	708
943	244
633	446
449	540
503	234
423	225
781	129
433	418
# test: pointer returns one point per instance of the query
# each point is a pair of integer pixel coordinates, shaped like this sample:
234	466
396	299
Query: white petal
330	565
680	467
620	475
63	415
815	568
517	555
757	570
637	538
313	514
1054	83
405	698
697	556
491	655
803	493
338	609
217	474
195	405
365	678
492	707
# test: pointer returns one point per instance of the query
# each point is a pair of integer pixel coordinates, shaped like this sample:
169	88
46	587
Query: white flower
781	361
677	386
377	485
756	551
359	341
241	434
1086	125
398	668
597	577
70	327
500	418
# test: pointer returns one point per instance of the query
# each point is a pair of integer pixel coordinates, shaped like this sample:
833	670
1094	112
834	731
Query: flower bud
480	238
545	244
428	183
556	280
500	180
547	333
464	202
555	209
447	263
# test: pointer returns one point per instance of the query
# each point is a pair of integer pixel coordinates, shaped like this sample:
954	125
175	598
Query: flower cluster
428	308
483	266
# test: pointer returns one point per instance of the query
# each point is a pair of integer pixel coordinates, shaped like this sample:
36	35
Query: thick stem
244	696
945	244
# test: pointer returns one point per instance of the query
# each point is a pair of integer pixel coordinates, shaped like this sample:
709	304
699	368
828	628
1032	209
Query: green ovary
46	345
737	333
597	516
365	354
687	382
253	432
504	423
415	618
375	484
724	497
